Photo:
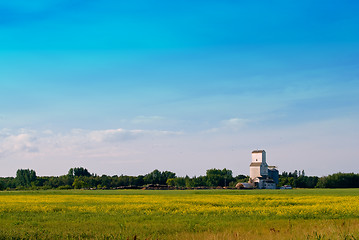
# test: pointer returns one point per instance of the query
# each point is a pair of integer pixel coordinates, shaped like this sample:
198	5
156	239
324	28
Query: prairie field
180	214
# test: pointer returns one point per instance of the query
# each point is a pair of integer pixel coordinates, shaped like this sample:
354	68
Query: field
187	214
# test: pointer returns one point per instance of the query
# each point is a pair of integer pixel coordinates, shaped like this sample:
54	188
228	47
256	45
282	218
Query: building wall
258	171
270	186
274	174
259	157
254	172
264	169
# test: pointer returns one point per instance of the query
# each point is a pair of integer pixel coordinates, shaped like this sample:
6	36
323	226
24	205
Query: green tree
180	182
339	180
24	177
78	183
171	182
70	172
105	181
217	177
157	177
80	171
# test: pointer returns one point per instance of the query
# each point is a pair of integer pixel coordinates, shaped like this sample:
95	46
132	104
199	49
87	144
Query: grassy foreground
188	214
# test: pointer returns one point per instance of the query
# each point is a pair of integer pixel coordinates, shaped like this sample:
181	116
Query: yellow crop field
209	214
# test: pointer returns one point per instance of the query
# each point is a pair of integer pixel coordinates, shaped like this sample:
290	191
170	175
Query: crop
139	214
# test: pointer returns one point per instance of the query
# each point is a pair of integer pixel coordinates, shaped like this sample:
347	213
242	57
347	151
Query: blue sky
127	87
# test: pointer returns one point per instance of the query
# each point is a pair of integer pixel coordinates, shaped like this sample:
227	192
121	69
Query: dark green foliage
7	183
71	172
78	172
339	180
81	178
24	177
79	183
306	182
217	177
214	178
176	182
297	179
199	181
157	177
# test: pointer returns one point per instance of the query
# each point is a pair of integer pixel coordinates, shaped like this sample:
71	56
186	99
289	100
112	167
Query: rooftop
258	151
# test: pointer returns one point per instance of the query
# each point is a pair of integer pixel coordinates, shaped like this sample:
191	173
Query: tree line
79	178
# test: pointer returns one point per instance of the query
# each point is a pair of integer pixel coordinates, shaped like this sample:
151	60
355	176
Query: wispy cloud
25	141
232	124
117	151
114	135
22	142
118	135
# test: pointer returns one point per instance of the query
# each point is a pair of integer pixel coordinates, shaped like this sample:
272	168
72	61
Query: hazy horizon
129	87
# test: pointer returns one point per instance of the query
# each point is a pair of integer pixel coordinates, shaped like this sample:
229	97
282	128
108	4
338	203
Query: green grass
181	214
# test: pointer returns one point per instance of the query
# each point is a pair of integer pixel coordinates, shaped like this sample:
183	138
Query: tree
180	182
78	183
166	175
171	182
71	172
105	181
24	177
200	181
153	177
80	171
339	180
138	181
217	177
157	177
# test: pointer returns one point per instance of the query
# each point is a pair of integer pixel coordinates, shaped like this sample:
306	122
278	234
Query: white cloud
319	148
118	135
76	141
114	135
48	132
22	142
232	125
5	132
104	150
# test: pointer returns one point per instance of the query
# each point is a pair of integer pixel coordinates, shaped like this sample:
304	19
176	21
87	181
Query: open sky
126	87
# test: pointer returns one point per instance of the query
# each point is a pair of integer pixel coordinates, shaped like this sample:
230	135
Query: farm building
244	186
261	175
